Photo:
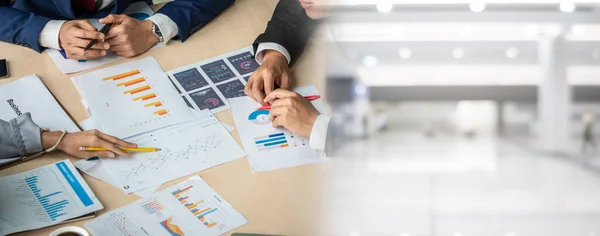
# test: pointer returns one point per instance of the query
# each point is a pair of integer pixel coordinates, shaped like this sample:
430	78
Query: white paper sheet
42	197
186	149
96	168
29	94
166	214
271	148
132	98
208	84
138	10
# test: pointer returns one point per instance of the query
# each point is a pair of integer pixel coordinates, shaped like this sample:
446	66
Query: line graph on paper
156	161
122	224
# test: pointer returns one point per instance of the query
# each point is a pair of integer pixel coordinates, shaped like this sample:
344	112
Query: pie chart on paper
212	101
260	117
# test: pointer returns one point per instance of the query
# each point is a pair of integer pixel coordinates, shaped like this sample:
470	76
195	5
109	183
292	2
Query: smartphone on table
3	68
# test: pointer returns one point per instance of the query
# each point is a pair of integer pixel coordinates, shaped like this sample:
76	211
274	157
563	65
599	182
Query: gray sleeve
19	137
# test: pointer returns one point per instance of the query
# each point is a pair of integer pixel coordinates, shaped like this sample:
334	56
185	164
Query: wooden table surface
287	201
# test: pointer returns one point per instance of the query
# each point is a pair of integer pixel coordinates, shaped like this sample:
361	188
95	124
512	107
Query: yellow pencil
124	149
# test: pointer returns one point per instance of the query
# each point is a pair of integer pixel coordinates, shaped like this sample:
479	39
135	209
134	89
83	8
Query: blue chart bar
269	140
276	135
54	210
206	213
275	143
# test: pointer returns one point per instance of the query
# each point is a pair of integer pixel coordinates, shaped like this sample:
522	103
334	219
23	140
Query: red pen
309	98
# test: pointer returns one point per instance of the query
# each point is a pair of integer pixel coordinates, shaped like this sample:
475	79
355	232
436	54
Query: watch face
157	33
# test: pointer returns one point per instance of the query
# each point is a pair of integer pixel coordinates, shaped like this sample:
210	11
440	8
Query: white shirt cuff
167	27
318	134
49	34
263	47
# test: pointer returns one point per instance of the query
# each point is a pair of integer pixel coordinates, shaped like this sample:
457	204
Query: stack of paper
136	101
43	197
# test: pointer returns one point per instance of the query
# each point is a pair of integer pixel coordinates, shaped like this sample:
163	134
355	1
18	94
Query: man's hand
292	111
130	37
274	70
92	138
75	35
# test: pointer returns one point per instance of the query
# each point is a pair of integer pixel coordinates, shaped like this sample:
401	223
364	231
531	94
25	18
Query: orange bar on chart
160	113
211	224
284	145
205	210
132	82
145	97
122	76
156	104
137	90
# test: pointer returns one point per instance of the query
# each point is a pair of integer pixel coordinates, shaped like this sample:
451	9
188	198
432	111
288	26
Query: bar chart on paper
132	98
136	86
42	197
197	204
190	208
52	203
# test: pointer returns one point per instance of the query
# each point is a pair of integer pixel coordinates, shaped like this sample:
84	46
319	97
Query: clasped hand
128	38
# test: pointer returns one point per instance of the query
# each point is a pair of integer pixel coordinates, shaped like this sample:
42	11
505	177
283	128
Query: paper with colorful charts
208	84
272	148
187	209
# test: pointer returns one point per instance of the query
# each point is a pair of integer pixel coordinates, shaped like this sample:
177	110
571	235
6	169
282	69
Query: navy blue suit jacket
22	22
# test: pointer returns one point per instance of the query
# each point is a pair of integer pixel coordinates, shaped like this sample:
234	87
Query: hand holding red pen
292	111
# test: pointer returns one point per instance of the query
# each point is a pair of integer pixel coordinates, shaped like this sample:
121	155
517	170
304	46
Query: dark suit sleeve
19	27
191	15
289	27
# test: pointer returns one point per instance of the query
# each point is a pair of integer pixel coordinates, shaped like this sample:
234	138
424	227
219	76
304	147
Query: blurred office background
464	119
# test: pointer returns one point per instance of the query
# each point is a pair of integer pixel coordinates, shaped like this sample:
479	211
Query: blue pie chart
260	117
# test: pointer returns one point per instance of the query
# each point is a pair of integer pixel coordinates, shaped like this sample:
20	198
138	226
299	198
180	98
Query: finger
248	88
275	112
85	24
78	53
93	53
87	34
285	81
115	41
115	140
116	31
278	94
110	147
113	19
278	122
257	91
119	48
83	43
283	102
269	83
103	154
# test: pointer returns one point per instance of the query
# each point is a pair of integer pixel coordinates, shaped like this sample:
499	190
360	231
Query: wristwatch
157	33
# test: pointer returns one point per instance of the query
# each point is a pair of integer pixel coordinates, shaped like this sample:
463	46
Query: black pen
104	31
